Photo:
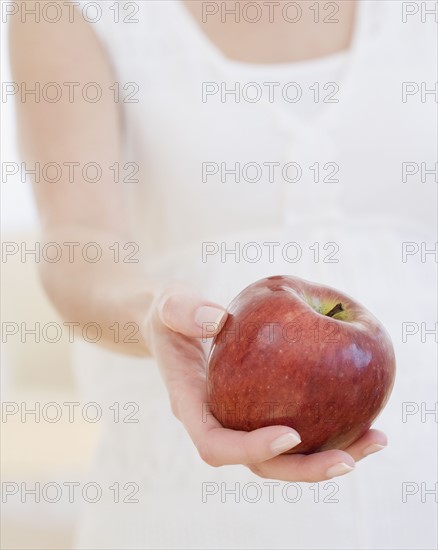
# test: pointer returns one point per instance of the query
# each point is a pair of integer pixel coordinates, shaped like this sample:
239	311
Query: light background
32	372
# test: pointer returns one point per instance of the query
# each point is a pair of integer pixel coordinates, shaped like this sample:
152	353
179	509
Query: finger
219	446
372	442
185	312
307	468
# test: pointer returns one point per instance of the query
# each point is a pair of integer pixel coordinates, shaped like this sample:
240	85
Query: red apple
303	355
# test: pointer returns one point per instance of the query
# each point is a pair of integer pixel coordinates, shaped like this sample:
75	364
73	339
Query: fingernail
285	442
338	470
373	449
208	314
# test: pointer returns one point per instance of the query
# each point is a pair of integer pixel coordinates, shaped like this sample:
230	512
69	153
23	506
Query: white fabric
369	213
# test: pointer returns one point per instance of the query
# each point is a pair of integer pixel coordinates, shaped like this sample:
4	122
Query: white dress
366	216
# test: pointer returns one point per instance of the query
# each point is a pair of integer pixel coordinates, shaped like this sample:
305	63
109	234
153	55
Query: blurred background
32	372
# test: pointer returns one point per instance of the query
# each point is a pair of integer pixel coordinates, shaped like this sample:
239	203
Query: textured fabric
367	214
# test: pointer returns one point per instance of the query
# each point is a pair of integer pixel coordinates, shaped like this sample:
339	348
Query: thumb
187	313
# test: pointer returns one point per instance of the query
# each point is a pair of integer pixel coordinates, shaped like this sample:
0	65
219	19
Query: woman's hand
173	330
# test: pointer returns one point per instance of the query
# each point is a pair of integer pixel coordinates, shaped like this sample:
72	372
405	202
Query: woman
167	133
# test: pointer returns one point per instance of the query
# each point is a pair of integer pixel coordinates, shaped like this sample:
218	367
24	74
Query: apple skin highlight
281	360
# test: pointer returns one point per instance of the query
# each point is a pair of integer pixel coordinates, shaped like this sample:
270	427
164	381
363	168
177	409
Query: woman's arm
73	130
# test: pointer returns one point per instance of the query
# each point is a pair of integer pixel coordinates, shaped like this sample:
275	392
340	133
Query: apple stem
337	309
